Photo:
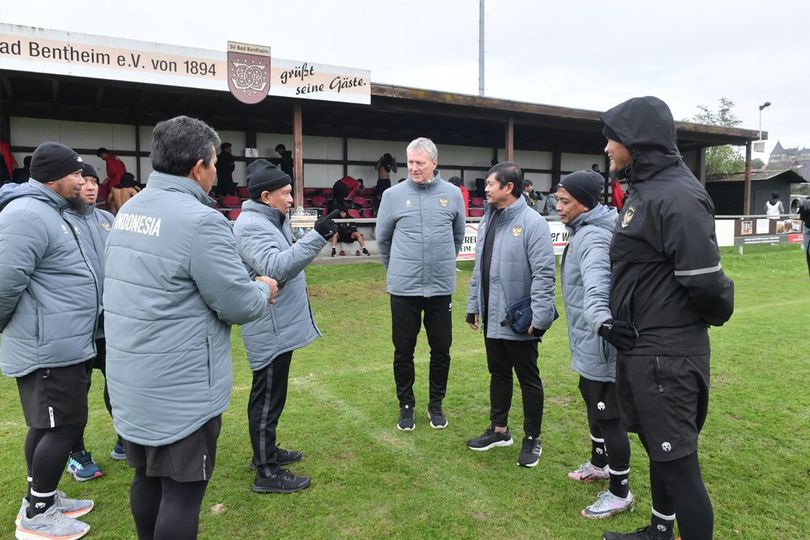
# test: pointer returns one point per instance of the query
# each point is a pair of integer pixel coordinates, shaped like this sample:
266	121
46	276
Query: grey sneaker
608	504
50	525
70	507
490	439
406	422
588	473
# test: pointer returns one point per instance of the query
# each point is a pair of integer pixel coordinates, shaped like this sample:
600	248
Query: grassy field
371	481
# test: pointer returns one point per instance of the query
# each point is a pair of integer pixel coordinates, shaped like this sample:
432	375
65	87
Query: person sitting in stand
347	233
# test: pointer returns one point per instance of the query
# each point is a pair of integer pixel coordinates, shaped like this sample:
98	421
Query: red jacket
465	194
617	194
115	170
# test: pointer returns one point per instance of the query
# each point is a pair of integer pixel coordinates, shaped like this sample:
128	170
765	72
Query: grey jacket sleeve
540	253
384	232
594	263
264	252
23	243
459	222
220	275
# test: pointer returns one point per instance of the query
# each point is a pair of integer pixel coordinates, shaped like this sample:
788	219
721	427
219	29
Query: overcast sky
588	54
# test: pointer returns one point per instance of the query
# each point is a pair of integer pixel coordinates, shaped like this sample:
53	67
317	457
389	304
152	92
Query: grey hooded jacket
49	296
266	247
522	265
174	284
585	281
420	230
93	225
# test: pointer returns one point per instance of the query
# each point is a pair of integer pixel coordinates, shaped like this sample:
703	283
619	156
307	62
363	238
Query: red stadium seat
353	213
243	192
477	202
318	200
233	214
367	212
361	201
476	212
231	201
368	192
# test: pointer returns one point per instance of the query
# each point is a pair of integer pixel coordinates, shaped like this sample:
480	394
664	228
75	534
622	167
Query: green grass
371	481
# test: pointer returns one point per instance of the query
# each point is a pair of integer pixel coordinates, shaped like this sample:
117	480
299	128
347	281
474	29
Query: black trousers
406	321
267	398
503	356
99	363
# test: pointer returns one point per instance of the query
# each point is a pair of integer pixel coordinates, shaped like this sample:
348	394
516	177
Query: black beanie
264	176
610	134
584	186
89	170
52	161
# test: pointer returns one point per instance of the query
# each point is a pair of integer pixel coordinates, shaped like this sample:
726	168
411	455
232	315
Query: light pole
764	105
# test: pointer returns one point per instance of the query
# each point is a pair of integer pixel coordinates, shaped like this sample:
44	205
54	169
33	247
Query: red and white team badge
248	72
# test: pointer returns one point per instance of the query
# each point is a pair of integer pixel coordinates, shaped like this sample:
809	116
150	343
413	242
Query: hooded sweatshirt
667	278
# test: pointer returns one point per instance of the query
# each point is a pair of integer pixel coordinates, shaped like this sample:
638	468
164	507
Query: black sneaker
283	481
283	457
530	452
645	533
490	439
405	422
334	252
437	419
366	253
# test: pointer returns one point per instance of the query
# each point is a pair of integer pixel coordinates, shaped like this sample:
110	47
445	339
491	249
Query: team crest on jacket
106	226
628	217
443	201
517	231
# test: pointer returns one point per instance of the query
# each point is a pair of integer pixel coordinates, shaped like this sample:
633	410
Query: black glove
325	226
471	318
620	334
536	332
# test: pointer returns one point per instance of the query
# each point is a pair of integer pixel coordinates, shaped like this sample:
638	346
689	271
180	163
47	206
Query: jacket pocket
40	329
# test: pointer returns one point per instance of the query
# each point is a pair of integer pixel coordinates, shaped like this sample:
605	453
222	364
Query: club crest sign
248	72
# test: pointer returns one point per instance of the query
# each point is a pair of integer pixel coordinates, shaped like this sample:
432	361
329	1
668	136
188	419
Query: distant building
790	158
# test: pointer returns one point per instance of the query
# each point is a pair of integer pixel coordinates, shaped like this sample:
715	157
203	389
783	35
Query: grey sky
578	53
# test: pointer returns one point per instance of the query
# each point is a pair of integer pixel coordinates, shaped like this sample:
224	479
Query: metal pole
760	123
481	48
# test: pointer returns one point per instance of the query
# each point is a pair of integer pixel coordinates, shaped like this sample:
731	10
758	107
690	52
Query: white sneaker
588	473
50	525
607	504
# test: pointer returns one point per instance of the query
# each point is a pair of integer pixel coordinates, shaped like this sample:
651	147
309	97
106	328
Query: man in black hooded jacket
667	288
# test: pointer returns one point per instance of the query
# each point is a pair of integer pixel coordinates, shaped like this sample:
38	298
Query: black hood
645	126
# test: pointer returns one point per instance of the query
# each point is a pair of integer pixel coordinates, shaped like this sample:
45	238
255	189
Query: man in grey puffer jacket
514	261
264	238
93	225
49	300
420	229
585	277
174	285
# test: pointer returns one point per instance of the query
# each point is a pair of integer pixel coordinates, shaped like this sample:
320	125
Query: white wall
580	162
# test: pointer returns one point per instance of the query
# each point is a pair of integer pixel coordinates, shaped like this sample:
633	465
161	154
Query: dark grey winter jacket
49	296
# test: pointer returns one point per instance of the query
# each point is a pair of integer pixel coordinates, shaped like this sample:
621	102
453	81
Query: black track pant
99	363
165	509
406	321
267	398
503	356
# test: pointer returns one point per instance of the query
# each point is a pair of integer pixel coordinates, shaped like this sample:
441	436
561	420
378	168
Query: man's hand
620	334
273	284
325	226
473	320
